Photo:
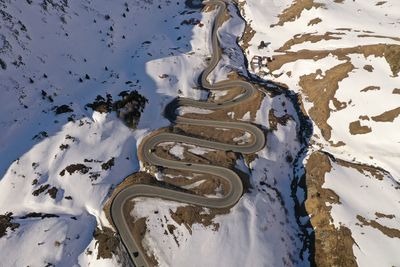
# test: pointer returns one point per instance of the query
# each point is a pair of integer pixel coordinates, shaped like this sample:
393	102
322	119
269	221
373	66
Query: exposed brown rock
333	246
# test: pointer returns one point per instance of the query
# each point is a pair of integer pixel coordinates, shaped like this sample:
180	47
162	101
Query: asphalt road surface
234	181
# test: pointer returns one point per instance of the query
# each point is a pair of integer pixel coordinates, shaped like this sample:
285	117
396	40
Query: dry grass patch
250	105
379	36
321	91
230	94
368	68
390	232
314	21
370	88
390	52
294	11
308	37
364	169
355	127
387	116
274	120
190	215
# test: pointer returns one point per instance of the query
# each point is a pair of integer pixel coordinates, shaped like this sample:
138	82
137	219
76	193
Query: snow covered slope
59	158
342	58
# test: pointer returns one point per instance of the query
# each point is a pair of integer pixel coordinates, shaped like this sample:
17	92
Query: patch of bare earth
308	37
251	106
138	229
320	91
274	120
333	246
248	33
294	11
355	127
314	21
370	88
190	215
367	170
106	242
210	184
387	116
390	232
230	94
391	53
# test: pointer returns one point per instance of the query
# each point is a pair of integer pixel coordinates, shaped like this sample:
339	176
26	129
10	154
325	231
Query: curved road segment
235	184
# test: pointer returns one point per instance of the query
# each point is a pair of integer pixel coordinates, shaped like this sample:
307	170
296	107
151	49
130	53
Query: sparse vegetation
62	109
6	223
106	242
107	165
79	167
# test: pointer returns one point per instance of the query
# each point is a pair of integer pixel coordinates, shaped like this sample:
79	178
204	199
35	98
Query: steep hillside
342	58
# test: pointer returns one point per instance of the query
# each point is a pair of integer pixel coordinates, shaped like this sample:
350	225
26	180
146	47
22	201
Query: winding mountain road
135	251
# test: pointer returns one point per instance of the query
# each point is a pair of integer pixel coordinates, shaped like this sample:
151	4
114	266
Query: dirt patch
294	11
391	53
367	170
355	127
333	246
370	88
381	215
387	116
106	242
390	232
190	215
274	120
234	113
248	34
368	68
308	37
379	36
320	91
6	223
314	21
230	94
